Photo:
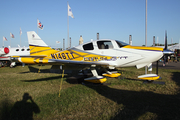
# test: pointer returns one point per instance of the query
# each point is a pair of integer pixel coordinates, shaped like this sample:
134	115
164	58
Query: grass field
123	99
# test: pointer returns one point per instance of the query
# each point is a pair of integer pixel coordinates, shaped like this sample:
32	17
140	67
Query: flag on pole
70	11
11	35
20	32
57	42
39	24
4	38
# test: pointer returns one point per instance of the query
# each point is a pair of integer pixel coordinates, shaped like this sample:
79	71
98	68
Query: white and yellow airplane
105	54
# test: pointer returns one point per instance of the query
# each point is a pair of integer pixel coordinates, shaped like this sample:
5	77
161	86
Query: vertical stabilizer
35	40
37	46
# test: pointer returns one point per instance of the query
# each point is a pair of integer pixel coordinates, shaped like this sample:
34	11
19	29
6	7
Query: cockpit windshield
121	44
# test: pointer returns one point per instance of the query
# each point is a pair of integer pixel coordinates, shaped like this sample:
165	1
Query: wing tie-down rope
38	71
61	84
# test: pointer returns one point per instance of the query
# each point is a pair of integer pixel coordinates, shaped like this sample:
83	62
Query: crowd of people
170	58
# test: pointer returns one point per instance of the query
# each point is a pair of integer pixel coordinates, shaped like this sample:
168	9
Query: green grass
127	98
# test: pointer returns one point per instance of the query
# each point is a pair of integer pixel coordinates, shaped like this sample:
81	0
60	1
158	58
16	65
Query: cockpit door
105	47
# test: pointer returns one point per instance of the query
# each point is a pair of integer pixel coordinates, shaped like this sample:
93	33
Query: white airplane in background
7	52
104	54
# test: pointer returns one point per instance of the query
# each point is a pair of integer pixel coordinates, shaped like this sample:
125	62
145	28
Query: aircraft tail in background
35	40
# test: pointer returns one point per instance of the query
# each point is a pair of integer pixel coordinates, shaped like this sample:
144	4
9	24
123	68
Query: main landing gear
100	79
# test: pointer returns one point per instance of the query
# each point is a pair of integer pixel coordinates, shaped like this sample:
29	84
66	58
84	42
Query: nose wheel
151	78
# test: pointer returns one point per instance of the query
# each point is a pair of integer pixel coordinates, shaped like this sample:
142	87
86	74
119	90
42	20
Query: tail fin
35	40
37	46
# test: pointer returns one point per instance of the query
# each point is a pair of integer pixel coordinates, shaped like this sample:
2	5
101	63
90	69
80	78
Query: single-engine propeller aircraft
105	54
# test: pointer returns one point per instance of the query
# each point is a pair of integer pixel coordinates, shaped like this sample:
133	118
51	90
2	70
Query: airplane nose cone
168	52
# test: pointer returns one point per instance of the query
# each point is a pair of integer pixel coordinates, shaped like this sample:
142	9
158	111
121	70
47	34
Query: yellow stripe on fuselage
143	48
67	54
79	56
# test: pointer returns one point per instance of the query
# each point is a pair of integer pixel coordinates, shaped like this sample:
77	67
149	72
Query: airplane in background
105	54
7	52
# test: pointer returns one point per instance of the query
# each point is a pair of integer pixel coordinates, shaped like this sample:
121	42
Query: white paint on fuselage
17	51
125	57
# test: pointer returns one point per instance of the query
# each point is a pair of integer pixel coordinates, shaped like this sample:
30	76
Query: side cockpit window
104	44
88	46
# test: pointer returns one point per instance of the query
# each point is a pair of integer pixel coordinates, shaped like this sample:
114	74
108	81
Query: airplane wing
41	60
60	62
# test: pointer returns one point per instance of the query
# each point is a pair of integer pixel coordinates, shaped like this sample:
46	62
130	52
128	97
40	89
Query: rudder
37	45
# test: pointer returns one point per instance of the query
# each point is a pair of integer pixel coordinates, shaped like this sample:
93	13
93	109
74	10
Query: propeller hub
168	52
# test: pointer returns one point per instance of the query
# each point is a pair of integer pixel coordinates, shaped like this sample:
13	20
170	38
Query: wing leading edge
38	60
56	61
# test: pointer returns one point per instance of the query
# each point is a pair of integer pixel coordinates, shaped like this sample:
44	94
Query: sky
112	19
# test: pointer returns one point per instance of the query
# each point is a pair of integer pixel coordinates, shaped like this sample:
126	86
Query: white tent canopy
172	47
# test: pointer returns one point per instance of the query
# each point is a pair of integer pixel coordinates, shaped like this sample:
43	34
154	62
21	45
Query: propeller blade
165	48
166	51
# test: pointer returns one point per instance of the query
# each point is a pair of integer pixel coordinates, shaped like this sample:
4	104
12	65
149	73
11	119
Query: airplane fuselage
16	51
116	54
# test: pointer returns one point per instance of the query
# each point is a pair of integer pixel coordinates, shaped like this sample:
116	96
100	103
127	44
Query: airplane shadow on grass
36	70
137	104
142	104
46	79
42	79
176	78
